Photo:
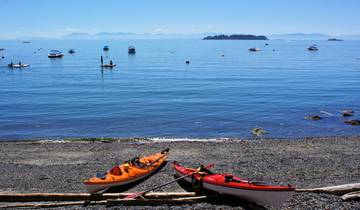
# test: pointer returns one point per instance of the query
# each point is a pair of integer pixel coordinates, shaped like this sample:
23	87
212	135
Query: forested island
235	37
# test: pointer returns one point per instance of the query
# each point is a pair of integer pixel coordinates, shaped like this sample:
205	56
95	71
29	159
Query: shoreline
172	139
48	166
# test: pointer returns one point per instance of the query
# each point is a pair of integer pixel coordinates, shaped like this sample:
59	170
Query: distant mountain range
130	35
311	36
300	36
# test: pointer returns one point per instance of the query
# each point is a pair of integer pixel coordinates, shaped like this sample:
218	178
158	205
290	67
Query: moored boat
131	50
12	65
227	184
129	172
108	66
313	48
55	54
254	49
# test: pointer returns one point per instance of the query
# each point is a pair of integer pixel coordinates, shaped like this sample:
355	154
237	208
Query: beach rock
313	117
258	131
352	122
347	113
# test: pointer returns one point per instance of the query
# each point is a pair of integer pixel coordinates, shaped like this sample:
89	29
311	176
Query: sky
46	18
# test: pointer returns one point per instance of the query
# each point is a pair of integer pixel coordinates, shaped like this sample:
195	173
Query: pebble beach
60	166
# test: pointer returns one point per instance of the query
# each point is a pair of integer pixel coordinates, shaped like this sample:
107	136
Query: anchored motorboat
131	50
254	49
19	65
313	48
55	54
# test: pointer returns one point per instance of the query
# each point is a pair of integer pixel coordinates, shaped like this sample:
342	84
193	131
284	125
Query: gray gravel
312	162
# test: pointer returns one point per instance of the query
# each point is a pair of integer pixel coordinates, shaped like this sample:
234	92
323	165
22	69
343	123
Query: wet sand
60	166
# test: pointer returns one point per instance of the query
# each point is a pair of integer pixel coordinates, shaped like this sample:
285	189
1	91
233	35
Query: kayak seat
101	175
230	178
116	170
259	183
136	162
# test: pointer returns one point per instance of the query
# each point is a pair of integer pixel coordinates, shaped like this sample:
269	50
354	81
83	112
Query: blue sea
156	94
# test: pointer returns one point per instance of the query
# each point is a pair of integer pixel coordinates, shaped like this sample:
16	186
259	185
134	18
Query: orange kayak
134	170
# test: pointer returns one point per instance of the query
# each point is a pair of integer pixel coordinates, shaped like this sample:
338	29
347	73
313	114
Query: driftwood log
336	190
351	196
38	197
113	202
155	202
50	205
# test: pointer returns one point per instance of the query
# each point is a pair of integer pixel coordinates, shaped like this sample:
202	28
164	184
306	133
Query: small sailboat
134	170
106	48
227	184
131	50
254	49
55	54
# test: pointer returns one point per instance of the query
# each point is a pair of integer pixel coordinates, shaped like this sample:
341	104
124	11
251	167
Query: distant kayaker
19	63
111	63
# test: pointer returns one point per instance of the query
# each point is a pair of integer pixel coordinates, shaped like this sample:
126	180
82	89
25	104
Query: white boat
18	65
55	54
313	48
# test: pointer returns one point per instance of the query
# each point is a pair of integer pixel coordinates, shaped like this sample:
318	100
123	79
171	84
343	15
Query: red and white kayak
263	194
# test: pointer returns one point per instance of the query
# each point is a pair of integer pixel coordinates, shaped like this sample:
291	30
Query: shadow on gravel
220	199
131	185
217	199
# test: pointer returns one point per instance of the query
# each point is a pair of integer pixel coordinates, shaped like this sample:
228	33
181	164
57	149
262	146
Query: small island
235	37
334	39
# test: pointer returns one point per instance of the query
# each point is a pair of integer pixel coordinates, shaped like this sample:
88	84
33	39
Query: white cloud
160	30
71	29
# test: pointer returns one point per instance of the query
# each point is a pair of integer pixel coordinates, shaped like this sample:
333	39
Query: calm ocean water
155	94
